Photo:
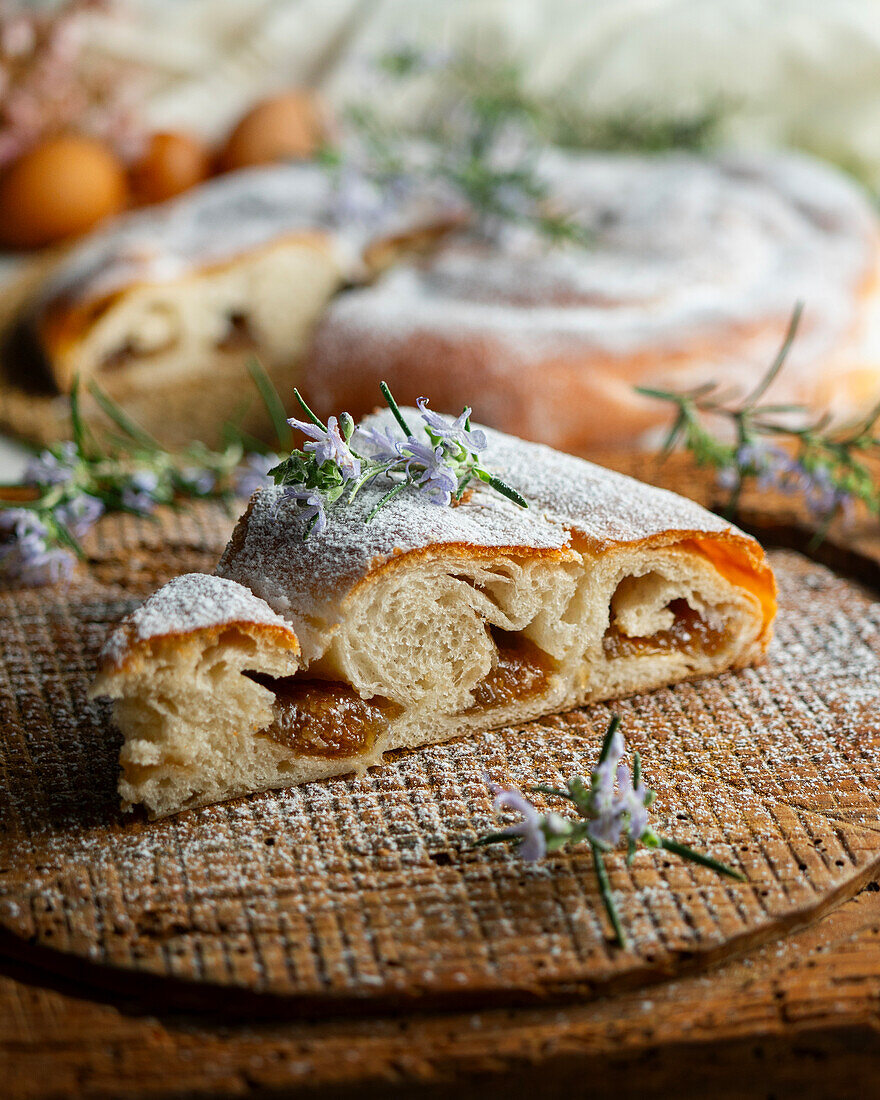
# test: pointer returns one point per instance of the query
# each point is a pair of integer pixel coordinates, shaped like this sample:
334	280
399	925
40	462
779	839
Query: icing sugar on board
354	894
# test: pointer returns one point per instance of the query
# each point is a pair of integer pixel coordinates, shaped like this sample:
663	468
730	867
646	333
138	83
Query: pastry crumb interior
689	633
328	718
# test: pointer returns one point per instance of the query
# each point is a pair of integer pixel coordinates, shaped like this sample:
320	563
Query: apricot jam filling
690	633
324	717
523	670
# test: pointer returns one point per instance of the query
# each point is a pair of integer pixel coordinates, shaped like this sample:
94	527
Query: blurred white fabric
803	72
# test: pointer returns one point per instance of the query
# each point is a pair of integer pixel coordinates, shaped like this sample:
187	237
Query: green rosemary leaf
385	499
501	487
697	857
607	896
556	791
675	432
465	481
395	408
773	410
123	421
613	727
758	392
67	537
305	408
80	436
272	401
580	795
492	838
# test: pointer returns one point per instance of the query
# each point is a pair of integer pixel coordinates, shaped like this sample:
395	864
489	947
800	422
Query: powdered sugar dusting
228	217
363	887
683	249
194	601
297	575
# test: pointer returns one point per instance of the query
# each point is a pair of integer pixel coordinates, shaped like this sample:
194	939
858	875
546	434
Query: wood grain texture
360	895
799	1018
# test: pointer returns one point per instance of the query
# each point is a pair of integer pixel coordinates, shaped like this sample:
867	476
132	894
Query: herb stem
395	409
607	896
697	857
305	408
758	392
613	726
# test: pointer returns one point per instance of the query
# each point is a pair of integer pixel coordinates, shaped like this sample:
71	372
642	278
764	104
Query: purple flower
25	555
51	469
775	468
618	805
80	513
437	480
728	478
198	480
534	843
311	508
253	474
380	446
454	432
631	801
606	826
138	494
329	446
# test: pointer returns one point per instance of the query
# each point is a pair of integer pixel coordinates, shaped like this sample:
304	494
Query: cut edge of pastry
149	329
436	642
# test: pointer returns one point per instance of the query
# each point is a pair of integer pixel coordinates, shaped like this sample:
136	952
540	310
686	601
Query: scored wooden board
359	894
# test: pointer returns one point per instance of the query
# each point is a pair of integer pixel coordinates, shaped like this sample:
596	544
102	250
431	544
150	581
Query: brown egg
60	188
171	163
285	127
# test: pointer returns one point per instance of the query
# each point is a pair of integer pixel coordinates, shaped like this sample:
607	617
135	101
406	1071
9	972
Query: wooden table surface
800	1016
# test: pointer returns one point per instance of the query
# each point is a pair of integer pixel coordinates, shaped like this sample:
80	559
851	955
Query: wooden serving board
364	894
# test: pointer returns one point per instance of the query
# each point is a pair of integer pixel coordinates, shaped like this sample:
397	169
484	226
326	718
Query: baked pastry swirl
166	306
691	273
311	656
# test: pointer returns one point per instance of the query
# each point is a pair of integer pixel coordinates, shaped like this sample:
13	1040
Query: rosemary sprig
612	808
778	446
68	486
481	138
482	134
439	461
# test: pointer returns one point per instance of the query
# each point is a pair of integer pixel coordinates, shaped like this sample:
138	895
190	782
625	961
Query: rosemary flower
26	554
139	494
197	480
311	508
47	468
429	470
380	446
80	513
328	445
612	808
455	432
530	832
254	474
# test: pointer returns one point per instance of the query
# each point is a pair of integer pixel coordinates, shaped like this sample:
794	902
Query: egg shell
172	162
284	127
59	188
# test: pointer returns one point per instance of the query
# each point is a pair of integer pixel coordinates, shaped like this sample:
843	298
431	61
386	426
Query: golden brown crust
135	652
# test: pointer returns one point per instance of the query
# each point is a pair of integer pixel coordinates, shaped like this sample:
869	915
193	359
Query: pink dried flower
46	86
